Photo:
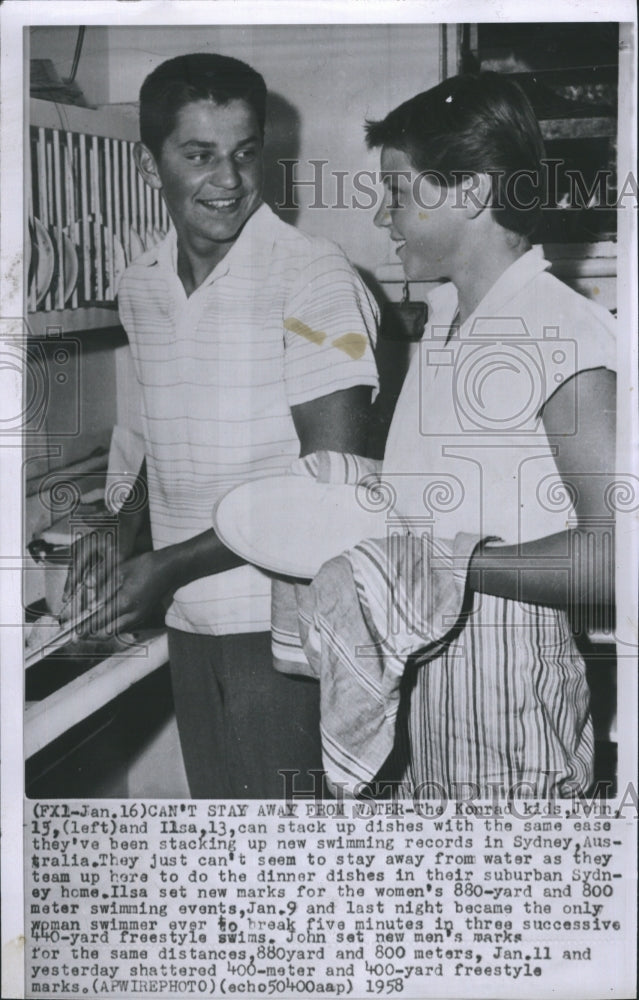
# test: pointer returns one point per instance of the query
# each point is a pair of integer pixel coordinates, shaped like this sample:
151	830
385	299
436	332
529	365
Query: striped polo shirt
281	320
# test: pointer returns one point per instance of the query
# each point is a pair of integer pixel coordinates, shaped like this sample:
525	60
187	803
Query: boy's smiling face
210	169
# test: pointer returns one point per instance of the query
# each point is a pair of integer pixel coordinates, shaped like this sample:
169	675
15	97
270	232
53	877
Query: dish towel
355	626
364	615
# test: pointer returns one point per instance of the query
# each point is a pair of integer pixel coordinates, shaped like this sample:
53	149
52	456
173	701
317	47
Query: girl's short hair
195	77
471	124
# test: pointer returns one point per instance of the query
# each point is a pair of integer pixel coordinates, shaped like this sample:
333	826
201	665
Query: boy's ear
145	162
477	192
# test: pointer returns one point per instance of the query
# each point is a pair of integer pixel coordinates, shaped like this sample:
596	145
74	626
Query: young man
237	326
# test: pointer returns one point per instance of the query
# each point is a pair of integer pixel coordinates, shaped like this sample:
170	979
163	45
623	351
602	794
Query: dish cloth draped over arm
364	615
325	467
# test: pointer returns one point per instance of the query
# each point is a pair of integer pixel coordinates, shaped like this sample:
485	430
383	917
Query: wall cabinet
570	74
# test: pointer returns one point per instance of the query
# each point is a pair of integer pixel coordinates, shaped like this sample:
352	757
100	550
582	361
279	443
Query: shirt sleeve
330	324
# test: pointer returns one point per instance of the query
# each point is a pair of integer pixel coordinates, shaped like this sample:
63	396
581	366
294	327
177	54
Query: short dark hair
474	123
197	76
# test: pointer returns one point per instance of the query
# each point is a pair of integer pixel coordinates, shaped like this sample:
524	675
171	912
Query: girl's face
424	218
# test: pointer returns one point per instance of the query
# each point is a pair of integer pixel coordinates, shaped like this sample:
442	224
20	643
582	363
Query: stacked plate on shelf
58	256
47	266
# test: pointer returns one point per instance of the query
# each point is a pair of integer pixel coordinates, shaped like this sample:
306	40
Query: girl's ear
145	162
476	194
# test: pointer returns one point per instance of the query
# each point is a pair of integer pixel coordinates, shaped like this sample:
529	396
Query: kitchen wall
58	46
325	80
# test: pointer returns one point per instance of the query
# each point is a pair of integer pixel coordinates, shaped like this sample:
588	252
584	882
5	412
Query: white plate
69	265
293	524
29	252
119	263
45	260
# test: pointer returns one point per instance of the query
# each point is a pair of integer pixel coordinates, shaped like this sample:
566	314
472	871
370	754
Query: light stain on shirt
296	326
353	344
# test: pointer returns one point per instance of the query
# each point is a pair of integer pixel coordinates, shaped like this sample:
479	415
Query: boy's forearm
202	555
337	422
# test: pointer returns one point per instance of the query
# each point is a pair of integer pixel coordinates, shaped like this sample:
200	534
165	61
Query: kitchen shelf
105	121
585	73
578	128
80	320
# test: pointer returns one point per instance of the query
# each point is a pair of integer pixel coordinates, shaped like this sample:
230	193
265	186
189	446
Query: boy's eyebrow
205	144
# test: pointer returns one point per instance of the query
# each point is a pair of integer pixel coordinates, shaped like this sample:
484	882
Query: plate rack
89	211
